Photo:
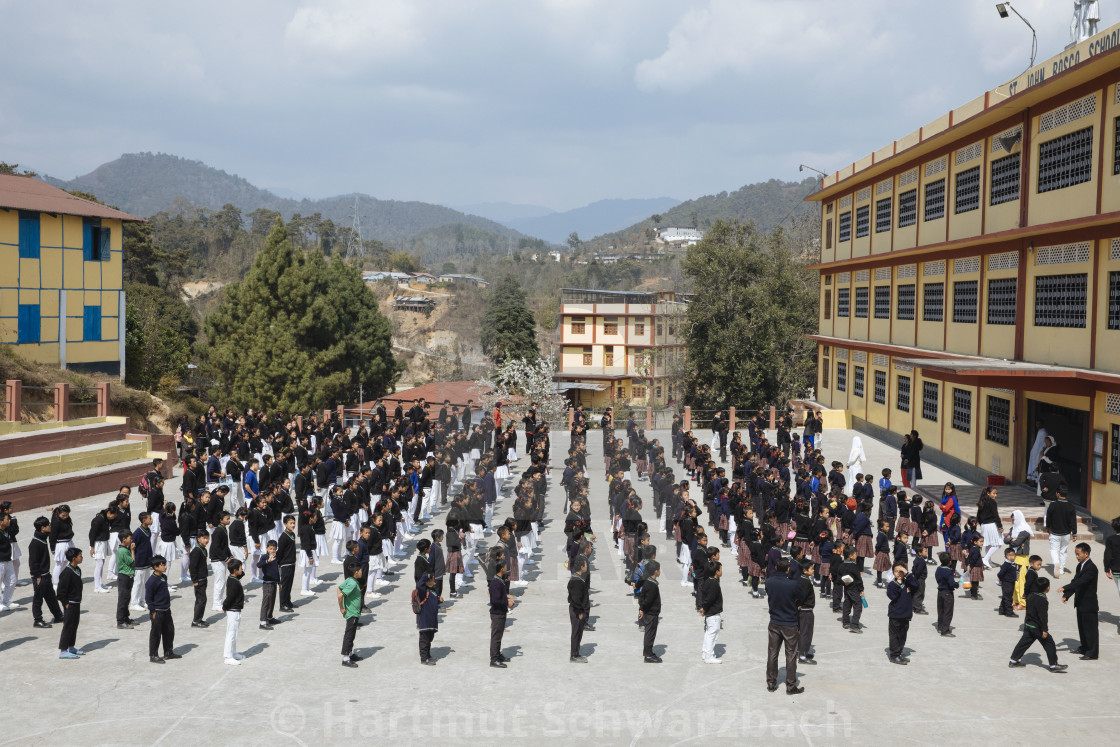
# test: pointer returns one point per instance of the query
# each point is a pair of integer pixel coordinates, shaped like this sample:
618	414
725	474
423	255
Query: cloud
342	30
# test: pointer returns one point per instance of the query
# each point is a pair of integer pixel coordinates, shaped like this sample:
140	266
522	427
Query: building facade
619	347
61	277
970	279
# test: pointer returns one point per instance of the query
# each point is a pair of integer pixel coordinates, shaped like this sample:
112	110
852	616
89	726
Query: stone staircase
45	464
1011	497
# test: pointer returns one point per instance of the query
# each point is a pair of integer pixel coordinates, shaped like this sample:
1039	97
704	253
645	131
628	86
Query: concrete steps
1013	497
52	463
58	436
64	488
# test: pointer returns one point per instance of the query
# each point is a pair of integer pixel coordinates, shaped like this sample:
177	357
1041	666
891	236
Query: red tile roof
28	193
435	393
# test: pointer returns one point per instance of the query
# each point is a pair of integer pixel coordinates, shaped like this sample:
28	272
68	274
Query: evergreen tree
754	303
159	334
508	330
299	333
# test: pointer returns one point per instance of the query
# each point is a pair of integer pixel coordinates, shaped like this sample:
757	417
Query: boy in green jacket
126	574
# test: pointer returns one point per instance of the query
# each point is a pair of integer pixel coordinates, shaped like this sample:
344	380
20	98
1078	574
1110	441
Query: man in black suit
1083	588
783	597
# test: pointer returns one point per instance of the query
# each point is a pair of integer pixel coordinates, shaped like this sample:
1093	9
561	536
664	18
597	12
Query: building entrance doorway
1070	430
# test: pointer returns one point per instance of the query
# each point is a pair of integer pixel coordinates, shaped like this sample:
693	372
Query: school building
970	279
61	294
619	347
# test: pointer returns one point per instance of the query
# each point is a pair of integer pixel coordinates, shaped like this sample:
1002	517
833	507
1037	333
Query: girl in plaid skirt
956	550
882	553
976	567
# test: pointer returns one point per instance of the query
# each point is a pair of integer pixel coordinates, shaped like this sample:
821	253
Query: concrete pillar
649	418
731	420
326	415
61	402
13	400
773	420
103	400
687	418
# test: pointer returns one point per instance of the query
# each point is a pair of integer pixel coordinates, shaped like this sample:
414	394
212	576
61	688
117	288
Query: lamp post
1005	10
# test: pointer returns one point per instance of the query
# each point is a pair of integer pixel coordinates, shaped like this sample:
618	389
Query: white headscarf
857	454
1019	524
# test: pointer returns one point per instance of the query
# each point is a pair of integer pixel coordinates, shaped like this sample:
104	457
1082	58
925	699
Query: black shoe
498	664
847	626
589	627
172	655
1088	658
287	609
265	626
200	624
796	690
578	659
120	626
355	657
978	597
427	662
273	621
924	611
155	659
1015	664
898	660
1078	651
652	659
41	624
856	629
805	660
771	688
1059	667
349	663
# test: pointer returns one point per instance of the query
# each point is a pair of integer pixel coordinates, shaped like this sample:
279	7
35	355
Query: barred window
962	410
999	421
965	294
1065	161
883	215
863	221
929	400
857	382
841	377
903	399
881	387
1002	297
1059	300
933	302
1005	179
906	294
1114	457
882	302
968	191
908	208
861	302
1114	300
828	234
843	300
845	226
935	200
825	370
1116	146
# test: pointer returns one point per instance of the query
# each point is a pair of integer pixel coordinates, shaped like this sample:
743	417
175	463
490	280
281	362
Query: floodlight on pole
1005	10
802	167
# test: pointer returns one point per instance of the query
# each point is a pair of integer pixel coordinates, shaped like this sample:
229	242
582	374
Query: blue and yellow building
62	298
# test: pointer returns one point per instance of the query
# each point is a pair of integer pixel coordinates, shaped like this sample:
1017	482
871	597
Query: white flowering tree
516	383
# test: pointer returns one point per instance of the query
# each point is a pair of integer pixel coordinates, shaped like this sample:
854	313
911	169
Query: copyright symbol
287	719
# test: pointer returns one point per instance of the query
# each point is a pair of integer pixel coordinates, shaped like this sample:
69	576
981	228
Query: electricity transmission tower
355	248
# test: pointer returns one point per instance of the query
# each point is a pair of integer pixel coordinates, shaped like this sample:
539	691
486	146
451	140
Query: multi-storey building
970	279
619	347
61	267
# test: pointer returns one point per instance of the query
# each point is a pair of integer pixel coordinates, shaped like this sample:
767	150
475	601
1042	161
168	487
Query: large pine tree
508	329
299	333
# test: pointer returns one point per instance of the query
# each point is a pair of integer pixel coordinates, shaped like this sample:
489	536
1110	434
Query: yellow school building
61	264
970	279
619	347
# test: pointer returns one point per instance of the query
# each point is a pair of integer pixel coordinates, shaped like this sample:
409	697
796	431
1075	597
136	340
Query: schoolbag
145	486
639	571
417	602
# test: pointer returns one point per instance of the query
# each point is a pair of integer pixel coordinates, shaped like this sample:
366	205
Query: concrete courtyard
292	690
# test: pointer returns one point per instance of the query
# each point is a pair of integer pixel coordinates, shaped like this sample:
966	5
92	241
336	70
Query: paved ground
291	688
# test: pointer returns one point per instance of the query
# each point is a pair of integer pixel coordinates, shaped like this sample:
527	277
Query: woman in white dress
856	458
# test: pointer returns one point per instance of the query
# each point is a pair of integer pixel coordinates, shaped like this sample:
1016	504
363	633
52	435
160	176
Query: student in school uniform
900	611
882	554
1008	576
141	560
270	579
200	571
1037	628
286	557
436	561
578	603
219	558
158	599
61	539
39	567
711	609
1035	565
126	576
232	605
649	608
70	596
920	572
946	584
350	606
975	566
427	619
500	604
852	581
99	530
306	554
239	541
807	600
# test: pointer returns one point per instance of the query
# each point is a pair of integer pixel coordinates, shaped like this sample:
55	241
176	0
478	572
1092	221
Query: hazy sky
552	102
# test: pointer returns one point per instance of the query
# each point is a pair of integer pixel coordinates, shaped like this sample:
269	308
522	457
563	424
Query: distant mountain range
146	183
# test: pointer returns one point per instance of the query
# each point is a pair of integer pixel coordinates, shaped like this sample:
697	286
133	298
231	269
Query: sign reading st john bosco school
1103	42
